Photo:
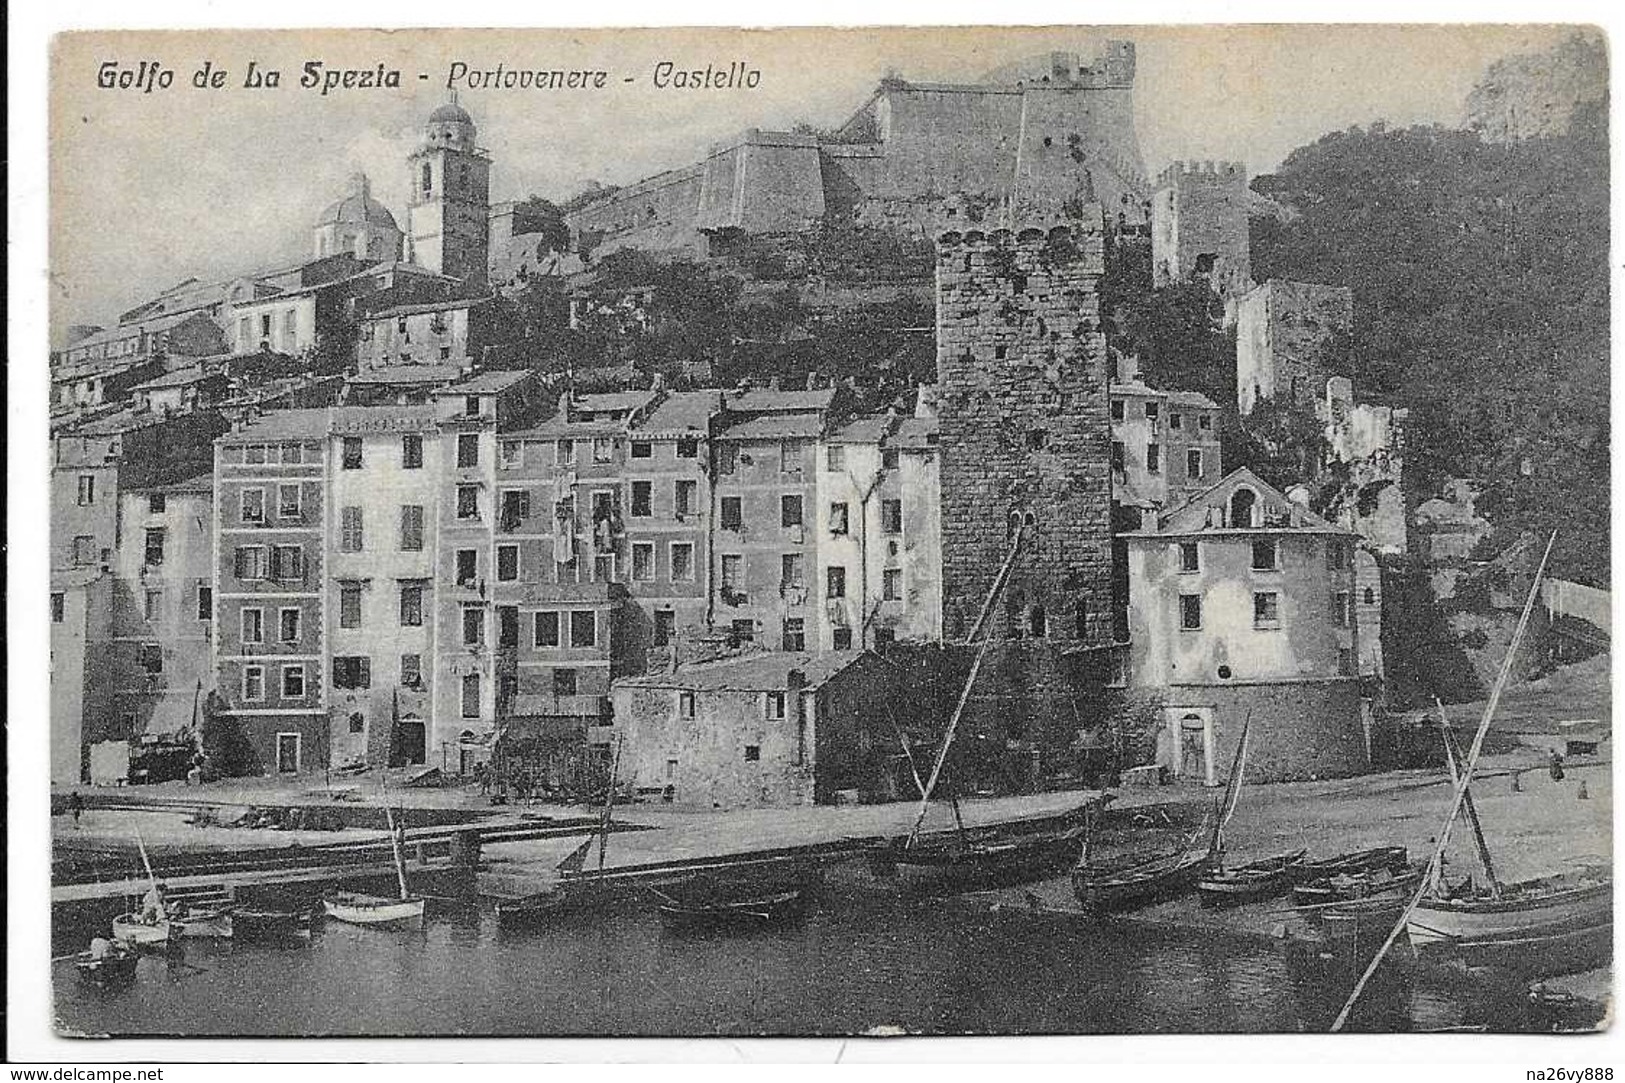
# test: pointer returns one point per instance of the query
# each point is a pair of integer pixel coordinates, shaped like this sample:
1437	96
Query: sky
148	189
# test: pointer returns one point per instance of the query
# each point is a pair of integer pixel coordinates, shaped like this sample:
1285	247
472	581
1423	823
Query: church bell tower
448	209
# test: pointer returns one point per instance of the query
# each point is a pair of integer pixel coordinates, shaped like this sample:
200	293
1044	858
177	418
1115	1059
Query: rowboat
958	862
130	929
211	924
1126	886
360	909
268	924
1554	924
1359	884
1261	879
1380	857
722	909
114	967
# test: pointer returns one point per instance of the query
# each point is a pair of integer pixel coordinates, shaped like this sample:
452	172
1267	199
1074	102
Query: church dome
451	111
357	208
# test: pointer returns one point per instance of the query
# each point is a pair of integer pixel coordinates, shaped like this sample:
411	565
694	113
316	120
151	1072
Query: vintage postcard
829	532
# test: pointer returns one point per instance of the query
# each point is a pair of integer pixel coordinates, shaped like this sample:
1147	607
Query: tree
545	219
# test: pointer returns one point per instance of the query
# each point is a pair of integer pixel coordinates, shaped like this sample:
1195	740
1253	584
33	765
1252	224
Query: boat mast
1452	756
395	848
609	803
152	881
1232	789
981	627
1461	786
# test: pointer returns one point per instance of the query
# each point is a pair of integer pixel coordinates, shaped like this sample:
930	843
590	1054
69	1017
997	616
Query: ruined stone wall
1025	434
1291	337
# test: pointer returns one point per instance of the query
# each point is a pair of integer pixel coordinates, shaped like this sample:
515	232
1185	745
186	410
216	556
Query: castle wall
1200	210
1289	336
765	182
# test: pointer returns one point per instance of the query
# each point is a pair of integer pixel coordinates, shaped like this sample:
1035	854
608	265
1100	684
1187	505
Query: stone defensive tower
1199	227
1026	442
450	201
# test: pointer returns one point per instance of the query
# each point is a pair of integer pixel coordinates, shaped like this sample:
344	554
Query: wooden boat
1553	925
116	967
360	909
1389	857
1360	884
257	923
130	929
721	908
210	924
960	861
1256	880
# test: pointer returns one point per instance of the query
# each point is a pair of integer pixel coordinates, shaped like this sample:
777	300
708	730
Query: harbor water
855	964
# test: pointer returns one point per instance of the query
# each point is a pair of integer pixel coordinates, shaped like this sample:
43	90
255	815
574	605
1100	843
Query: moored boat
1125	886
131	929
1256	880
1553	925
359	909
958	862
1379	857
1360	884
115	966
210	924
258	923
721	907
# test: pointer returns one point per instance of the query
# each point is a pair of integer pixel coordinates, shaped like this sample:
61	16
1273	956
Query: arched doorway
1186	745
1241	508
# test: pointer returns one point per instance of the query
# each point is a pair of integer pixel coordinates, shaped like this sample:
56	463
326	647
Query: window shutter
366	673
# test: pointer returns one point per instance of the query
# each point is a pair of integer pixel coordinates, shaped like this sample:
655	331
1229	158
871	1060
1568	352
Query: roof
450	111
1180	398
682	411
1193	516
765	400
202	483
308	423
556	426
762	671
487	382
425	306
611	402
864	430
126	420
774	427
407	374
191	374
914	432
358	207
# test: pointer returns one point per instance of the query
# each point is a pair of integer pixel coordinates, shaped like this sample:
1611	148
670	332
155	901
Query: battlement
1194	171
1092	227
1112	66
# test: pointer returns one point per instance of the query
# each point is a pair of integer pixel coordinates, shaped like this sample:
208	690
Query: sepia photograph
828	532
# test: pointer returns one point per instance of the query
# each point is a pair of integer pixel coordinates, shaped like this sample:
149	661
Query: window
287	563
507	563
411	671
471	405
733	513
287	501
358	722
1264	555
564	682
643	562
583	628
1190	612
1153	458
468	501
471	695
154	555
603	449
688	448
293	682
411	452
665	627
603	568
891	516
842	639
352	671
253	505
835	457
795	635
837	519
84	549
411	605
1119	456
642	498
733	572
685	704
834	582
205	602
507	626
1370	596
790	565
1345	662
1152	409
253	683
547	628
683	497
1117	409
727	458
773	705
254	454
473	626
87	489
350	532
515	508
349	605
287	625
1193	464
58	604
468	449
1190	557
150	657
1266	609
1204	422
1337	554
511	454
411	528
790	510
467	567
152	606
888	459
1176	420
249	562
891	585
790	456
1242	504
742	631
642	449
564	452
1342	610
753	753
682	562
352	453
253	625
155	504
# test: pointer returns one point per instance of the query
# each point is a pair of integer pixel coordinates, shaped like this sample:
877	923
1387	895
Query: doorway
411	741
287	753
1187	744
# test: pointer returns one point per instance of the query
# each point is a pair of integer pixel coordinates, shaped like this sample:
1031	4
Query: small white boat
211	924
360	909
130	929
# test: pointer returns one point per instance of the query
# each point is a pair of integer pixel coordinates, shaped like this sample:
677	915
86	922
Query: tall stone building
1291	337
1199	227
1025	445
450	201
